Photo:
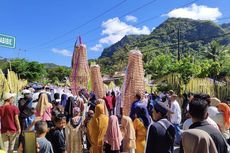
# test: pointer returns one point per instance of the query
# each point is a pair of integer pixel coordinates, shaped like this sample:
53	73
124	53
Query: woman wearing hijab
96	129
63	100
128	133
80	103
113	136
74	133
197	141
141	124
102	101
225	109
223	119
43	108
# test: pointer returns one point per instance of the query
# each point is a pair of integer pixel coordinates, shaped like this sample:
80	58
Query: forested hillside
196	39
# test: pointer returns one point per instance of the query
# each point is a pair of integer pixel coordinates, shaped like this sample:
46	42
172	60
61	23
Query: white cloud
63	52
130	18
97	47
114	30
196	12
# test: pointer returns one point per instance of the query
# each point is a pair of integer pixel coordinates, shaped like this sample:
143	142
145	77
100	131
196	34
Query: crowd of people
157	122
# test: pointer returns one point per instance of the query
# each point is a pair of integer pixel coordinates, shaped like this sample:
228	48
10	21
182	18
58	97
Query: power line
99	27
224	18
134	10
135	24
82	25
148	19
148	38
176	31
144	21
130	12
188	42
152	36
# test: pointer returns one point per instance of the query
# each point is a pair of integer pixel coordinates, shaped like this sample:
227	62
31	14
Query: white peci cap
26	92
7	96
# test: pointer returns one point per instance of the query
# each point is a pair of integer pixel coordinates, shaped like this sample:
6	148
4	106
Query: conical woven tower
134	79
80	68
97	81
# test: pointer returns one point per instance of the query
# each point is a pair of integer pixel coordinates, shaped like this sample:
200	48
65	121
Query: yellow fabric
2	151
141	133
43	104
102	101
96	129
128	132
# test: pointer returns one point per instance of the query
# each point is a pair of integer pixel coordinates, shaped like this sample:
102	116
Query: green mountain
193	35
126	40
50	65
226	27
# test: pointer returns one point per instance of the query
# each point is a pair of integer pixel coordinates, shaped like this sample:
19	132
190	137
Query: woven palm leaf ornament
97	81
3	84
80	69
134	79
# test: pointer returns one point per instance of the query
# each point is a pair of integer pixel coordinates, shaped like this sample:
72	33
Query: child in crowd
57	135
43	145
74	132
41	130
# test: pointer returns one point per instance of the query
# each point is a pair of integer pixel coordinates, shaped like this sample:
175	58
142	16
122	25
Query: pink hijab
113	135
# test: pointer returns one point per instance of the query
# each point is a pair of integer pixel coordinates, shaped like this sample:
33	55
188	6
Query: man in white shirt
189	122
175	117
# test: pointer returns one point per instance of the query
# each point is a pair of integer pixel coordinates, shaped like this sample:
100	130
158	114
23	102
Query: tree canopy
34	71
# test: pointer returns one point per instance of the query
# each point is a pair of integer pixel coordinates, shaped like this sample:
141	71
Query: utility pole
19	52
25	52
178	52
10	64
178	43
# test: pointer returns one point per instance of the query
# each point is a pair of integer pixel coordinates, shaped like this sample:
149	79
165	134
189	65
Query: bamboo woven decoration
134	79
80	69
96	81
13	81
4	86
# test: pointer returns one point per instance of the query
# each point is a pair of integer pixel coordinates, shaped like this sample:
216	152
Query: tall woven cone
80	69
134	80
96	81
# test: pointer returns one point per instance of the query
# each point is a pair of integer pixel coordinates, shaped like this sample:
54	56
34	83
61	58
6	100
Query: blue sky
46	30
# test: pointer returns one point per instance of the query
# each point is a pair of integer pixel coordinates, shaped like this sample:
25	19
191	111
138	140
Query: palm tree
215	51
